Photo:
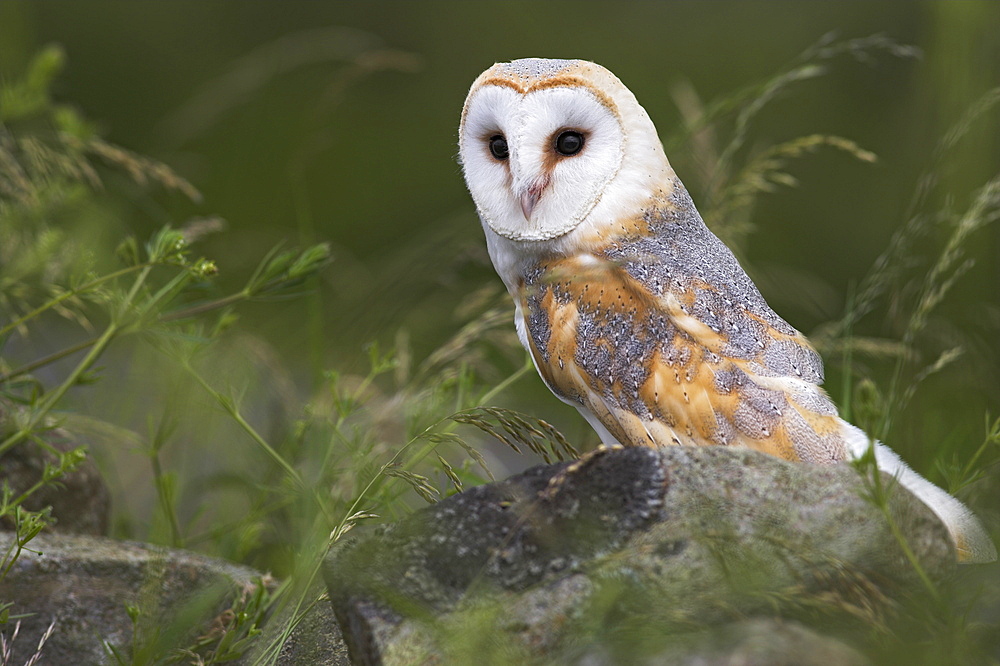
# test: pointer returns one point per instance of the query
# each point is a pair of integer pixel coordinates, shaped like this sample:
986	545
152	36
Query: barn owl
632	310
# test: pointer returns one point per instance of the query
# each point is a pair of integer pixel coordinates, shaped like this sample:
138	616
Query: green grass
245	457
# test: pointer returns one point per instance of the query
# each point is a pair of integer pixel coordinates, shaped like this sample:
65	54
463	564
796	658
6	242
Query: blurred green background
304	122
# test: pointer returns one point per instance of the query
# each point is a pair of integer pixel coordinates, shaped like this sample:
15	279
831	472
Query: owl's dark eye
498	147
569	143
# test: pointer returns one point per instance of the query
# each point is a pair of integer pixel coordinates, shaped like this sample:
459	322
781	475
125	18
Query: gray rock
314	639
562	561
81	502
755	642
84	584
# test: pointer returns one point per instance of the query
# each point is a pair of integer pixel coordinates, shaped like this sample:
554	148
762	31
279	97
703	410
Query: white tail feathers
972	543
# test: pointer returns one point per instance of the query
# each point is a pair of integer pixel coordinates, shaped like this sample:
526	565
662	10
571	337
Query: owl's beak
530	197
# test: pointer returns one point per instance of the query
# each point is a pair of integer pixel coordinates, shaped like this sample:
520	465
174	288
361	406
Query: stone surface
84	585
755	642
686	556
667	540
81	503
315	639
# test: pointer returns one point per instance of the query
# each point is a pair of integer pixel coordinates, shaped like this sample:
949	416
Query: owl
631	309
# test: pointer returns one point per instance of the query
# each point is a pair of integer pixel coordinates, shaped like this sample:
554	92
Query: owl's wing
663	338
659	337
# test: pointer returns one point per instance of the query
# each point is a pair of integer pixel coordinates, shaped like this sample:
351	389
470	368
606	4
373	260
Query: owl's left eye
569	143
498	147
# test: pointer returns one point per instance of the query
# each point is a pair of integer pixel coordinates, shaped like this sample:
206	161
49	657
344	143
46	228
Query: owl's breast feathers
660	334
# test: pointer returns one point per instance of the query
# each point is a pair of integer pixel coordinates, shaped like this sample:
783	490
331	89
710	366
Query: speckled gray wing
662	336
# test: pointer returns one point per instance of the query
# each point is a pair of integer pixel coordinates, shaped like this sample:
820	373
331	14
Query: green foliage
337	459
512	429
45	165
977	468
414	425
910	286
729	176
227	635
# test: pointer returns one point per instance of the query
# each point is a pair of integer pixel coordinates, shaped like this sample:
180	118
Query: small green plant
153	291
225	637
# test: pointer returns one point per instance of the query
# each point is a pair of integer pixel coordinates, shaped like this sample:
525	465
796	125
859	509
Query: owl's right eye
498	147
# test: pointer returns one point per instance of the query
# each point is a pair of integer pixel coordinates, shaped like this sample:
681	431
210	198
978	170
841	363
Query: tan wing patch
653	373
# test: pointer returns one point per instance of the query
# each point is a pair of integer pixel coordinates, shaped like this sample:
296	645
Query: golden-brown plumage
672	395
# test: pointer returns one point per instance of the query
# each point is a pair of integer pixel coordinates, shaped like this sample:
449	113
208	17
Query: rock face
639	556
314	641
605	559
767	642
81	503
83	585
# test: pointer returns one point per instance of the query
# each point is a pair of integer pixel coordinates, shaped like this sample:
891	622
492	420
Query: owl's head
553	146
